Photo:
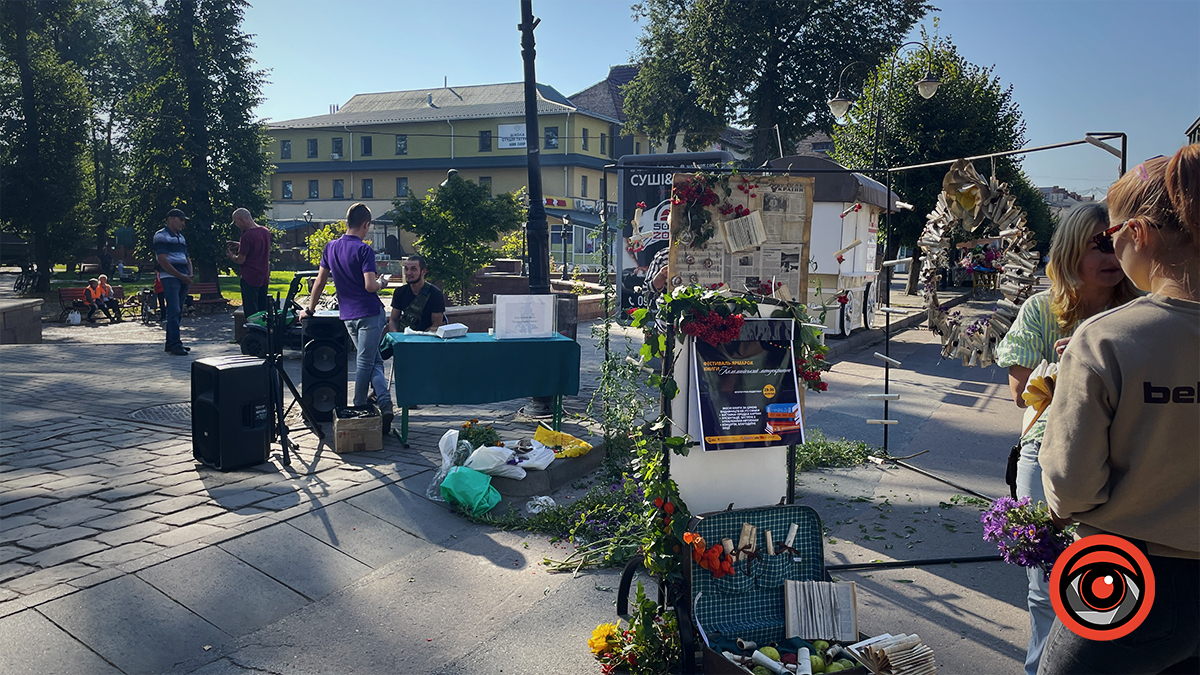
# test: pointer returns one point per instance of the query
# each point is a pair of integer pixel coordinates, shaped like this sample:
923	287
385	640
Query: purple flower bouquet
1024	533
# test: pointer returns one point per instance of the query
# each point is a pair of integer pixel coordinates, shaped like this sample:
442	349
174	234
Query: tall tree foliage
661	101
195	144
44	110
762	63
455	226
972	113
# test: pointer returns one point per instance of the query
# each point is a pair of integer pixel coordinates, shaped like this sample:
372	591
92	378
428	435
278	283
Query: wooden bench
68	297
208	304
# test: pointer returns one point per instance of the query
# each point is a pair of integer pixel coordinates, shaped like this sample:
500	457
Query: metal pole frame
537	231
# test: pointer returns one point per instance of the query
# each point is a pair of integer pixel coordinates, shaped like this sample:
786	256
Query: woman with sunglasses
1122	450
1084	281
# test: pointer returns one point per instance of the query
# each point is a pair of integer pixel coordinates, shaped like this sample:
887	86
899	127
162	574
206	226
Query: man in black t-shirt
417	304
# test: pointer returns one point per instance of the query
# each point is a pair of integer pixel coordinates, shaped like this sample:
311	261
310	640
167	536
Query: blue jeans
176	292
1041	611
1167	641
368	364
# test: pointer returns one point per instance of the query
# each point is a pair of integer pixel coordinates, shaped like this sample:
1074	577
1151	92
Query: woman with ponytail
1121	454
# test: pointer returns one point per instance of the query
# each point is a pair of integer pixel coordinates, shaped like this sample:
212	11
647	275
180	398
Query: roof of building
604	97
1193	127
436	105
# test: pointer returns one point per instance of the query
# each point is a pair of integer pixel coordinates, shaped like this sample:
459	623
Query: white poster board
510	136
524	316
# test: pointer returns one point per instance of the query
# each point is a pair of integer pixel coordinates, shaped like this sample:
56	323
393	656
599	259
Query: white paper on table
524	316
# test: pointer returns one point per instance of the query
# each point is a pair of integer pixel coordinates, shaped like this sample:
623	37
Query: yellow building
380	146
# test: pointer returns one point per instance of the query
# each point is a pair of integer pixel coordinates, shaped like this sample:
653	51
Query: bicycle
26	281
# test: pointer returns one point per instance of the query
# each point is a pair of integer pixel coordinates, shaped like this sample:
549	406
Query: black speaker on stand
326	349
231	411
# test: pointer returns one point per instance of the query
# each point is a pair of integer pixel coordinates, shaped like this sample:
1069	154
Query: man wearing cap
253	253
171	249
351	263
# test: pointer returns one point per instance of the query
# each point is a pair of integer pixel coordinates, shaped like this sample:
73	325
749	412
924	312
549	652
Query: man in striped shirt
171	250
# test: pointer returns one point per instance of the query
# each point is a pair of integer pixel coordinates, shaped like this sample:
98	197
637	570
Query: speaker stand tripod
274	357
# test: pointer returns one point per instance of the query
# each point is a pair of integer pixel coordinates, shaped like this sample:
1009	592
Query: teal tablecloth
478	368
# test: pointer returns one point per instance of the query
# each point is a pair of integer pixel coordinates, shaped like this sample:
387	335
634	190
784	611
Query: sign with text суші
747	390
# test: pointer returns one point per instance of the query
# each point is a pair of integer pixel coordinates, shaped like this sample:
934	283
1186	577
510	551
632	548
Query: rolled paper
761	659
740	660
770	543
727	544
791	537
746	645
803	662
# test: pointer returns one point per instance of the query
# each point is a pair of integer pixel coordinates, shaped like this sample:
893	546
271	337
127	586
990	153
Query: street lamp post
566	224
839	106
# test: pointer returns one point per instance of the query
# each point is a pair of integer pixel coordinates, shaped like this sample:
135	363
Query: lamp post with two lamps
839	105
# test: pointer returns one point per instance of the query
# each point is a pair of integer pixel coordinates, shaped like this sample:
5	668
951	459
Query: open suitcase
717	612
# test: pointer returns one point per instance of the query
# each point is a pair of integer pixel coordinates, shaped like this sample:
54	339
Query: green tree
315	243
762	63
456	225
44	110
972	114
661	101
195	144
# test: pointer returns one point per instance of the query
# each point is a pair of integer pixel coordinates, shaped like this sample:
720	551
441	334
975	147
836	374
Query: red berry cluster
694	192
843	298
809	370
713	328
748	187
737	211
765	288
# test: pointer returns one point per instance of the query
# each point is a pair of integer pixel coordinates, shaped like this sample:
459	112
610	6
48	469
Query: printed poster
748	392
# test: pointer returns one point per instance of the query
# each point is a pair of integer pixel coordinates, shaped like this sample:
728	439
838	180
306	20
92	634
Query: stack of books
821	610
783	418
894	655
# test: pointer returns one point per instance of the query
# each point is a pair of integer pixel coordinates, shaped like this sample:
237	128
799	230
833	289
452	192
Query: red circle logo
1102	587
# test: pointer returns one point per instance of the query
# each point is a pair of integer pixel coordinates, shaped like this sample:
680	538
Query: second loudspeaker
326	349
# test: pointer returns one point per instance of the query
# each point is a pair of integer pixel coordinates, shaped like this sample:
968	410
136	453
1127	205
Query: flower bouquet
650	645
1024	533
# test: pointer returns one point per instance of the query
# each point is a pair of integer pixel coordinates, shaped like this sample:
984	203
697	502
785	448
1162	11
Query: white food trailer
847	208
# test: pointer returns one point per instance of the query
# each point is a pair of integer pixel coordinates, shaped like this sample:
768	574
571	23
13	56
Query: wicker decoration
967	199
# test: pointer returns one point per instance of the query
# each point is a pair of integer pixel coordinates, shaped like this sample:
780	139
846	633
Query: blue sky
1075	66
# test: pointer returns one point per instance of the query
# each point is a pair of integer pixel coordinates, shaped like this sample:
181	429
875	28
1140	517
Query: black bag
1010	473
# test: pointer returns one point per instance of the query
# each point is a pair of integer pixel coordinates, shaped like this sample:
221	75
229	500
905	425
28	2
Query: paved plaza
120	554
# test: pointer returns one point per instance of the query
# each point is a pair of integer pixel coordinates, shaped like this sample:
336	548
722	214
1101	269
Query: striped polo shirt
174	246
1030	341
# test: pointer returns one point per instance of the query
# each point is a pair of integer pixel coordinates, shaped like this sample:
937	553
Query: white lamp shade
928	87
839	106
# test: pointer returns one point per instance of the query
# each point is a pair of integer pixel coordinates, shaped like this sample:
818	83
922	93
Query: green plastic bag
470	490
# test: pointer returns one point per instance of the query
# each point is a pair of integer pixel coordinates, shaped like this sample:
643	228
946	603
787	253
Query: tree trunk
196	144
30	147
914	272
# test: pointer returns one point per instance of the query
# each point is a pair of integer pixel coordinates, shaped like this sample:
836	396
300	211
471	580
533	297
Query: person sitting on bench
94	298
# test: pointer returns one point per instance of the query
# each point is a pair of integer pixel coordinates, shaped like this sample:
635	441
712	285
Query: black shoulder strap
412	314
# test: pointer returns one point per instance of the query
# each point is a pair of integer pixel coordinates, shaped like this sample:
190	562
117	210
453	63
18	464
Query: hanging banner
747	390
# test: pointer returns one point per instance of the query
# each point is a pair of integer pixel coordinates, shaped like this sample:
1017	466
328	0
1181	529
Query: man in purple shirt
352	264
253	253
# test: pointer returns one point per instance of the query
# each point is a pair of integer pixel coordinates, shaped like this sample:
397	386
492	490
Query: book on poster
520	317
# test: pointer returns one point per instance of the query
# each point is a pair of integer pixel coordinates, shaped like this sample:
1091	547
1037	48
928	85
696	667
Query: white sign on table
524	316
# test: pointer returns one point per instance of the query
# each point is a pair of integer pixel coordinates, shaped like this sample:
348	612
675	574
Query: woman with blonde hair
1084	281
1122	450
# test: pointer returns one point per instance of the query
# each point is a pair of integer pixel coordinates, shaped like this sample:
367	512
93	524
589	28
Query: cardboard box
355	433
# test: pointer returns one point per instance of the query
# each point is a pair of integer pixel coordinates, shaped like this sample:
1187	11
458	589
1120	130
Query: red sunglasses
1104	240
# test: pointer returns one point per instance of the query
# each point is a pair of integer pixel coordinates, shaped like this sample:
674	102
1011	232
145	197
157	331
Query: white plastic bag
539	504
454	453
74	318
494	462
538	458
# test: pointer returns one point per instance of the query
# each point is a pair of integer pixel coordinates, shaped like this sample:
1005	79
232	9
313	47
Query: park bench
68	297
209	304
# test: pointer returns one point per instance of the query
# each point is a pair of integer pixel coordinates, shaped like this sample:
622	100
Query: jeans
1167	641
368	365
176	291
1041	611
254	299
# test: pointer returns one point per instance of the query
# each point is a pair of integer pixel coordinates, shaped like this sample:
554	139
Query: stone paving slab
133	625
304	563
32	645
357	533
225	591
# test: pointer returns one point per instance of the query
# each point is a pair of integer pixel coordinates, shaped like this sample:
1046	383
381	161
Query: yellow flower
602	638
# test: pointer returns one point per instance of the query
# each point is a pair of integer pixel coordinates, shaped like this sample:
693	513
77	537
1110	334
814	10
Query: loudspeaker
323	382
231	411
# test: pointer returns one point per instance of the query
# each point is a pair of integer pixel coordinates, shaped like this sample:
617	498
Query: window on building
337	147
285	149
314	189
486	181
551	142
485	141
339	189
823	146
401	186
637	148
604	144
368	191
584	140
583	186
401	144
287	189
366	146
312	148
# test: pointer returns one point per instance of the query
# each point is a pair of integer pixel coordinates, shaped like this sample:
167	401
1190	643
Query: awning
591	220
835	186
